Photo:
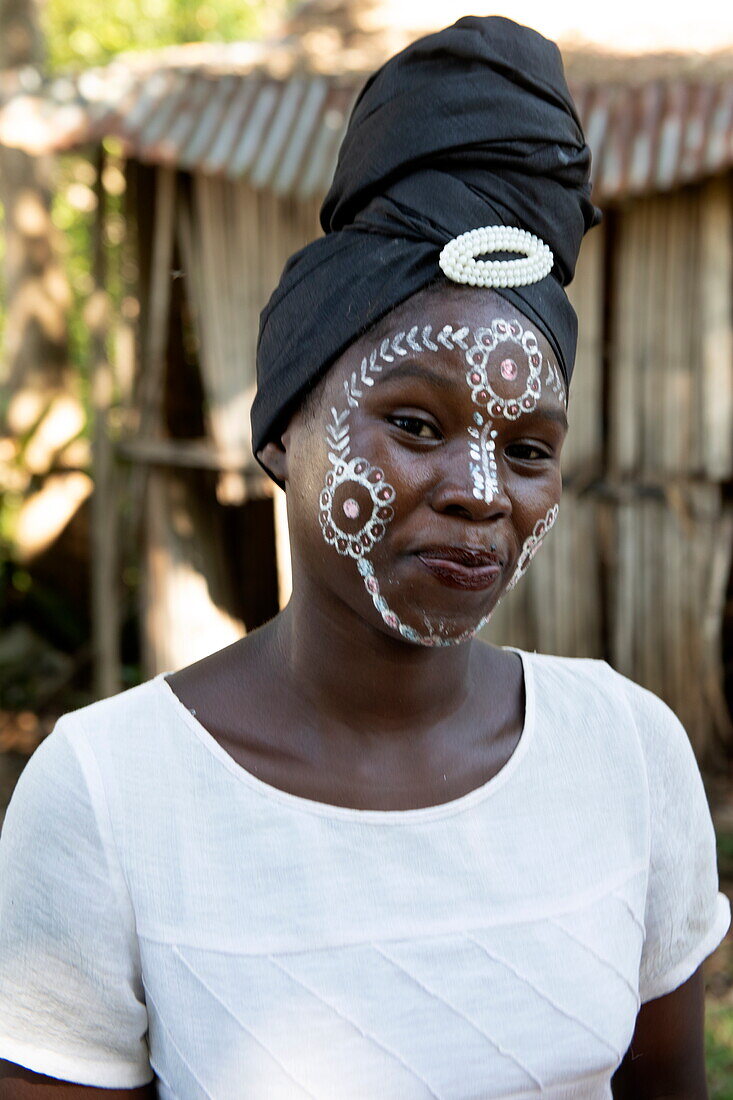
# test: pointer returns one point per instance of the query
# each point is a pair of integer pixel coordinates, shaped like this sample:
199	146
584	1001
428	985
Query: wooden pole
145	494
105	563
716	328
153	363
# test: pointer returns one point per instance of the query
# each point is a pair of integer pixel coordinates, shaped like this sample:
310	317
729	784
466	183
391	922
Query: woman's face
427	472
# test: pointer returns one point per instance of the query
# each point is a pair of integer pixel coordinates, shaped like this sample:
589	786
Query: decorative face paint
356	500
432	638
532	545
482	445
556	383
482	391
352	491
482	455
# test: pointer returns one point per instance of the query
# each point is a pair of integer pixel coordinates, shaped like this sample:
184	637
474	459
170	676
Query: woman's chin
430	615
435	627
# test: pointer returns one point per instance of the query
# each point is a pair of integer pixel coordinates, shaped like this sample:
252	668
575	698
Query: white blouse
164	912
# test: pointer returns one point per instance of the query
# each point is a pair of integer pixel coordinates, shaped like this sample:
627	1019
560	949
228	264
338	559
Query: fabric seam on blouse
529	915
88	763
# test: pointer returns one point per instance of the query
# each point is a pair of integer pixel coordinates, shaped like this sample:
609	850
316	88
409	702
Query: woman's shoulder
595	677
126	735
613	704
142	707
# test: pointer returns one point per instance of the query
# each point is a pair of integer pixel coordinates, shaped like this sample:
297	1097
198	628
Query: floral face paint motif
482	446
355	506
527	349
356	500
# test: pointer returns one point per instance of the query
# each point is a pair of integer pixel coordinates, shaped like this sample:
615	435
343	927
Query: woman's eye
414	425
527	452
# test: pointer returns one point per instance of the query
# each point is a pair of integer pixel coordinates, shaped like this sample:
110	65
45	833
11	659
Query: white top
160	906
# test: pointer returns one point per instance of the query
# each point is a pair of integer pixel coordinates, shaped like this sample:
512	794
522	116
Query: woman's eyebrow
557	415
423	372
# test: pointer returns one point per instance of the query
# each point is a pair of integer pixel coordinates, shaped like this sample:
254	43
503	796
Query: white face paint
532	544
482	446
355	506
482	458
356	500
433	637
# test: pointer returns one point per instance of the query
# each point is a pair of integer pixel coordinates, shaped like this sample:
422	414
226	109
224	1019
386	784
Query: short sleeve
71	998
686	917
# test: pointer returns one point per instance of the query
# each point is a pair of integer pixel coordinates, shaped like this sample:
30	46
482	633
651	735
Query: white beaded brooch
458	258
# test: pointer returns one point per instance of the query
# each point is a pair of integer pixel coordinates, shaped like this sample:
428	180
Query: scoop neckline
351	813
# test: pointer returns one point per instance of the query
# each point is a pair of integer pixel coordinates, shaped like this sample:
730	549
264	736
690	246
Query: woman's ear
274	457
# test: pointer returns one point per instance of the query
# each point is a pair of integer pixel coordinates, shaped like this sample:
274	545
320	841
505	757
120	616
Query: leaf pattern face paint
482	458
356	499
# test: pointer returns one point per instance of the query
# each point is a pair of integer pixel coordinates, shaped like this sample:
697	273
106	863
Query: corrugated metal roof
284	134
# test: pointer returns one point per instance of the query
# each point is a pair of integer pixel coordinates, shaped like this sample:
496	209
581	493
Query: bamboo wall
636	570
671	449
231	243
234	243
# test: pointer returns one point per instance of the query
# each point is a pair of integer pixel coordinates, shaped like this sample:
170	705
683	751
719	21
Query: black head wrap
469	127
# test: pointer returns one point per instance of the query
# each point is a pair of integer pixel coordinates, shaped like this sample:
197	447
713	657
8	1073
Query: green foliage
725	854
719	1051
82	33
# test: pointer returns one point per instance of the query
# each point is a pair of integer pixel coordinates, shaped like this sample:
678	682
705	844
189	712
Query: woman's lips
457	567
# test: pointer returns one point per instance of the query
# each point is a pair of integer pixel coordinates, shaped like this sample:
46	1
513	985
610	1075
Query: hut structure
229	153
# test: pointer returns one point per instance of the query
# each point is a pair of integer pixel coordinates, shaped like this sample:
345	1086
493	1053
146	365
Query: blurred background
159	161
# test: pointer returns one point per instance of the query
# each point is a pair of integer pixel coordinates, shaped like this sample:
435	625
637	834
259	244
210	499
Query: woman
359	853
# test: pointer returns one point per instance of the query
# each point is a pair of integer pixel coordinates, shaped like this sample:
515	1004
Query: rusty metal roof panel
291	161
214	108
718	151
671	138
229	128
286	119
141	107
284	134
154	129
183	124
596	121
643	148
320	161
658	135
245	151
652	137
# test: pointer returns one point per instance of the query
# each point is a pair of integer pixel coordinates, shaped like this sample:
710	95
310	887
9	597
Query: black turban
469	127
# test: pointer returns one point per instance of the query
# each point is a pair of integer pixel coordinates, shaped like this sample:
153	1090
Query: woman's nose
470	487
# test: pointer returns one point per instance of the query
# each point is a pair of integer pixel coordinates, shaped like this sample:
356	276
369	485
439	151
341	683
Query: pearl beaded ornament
458	258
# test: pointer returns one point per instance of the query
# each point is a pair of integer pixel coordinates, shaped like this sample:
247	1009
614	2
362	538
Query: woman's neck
357	675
